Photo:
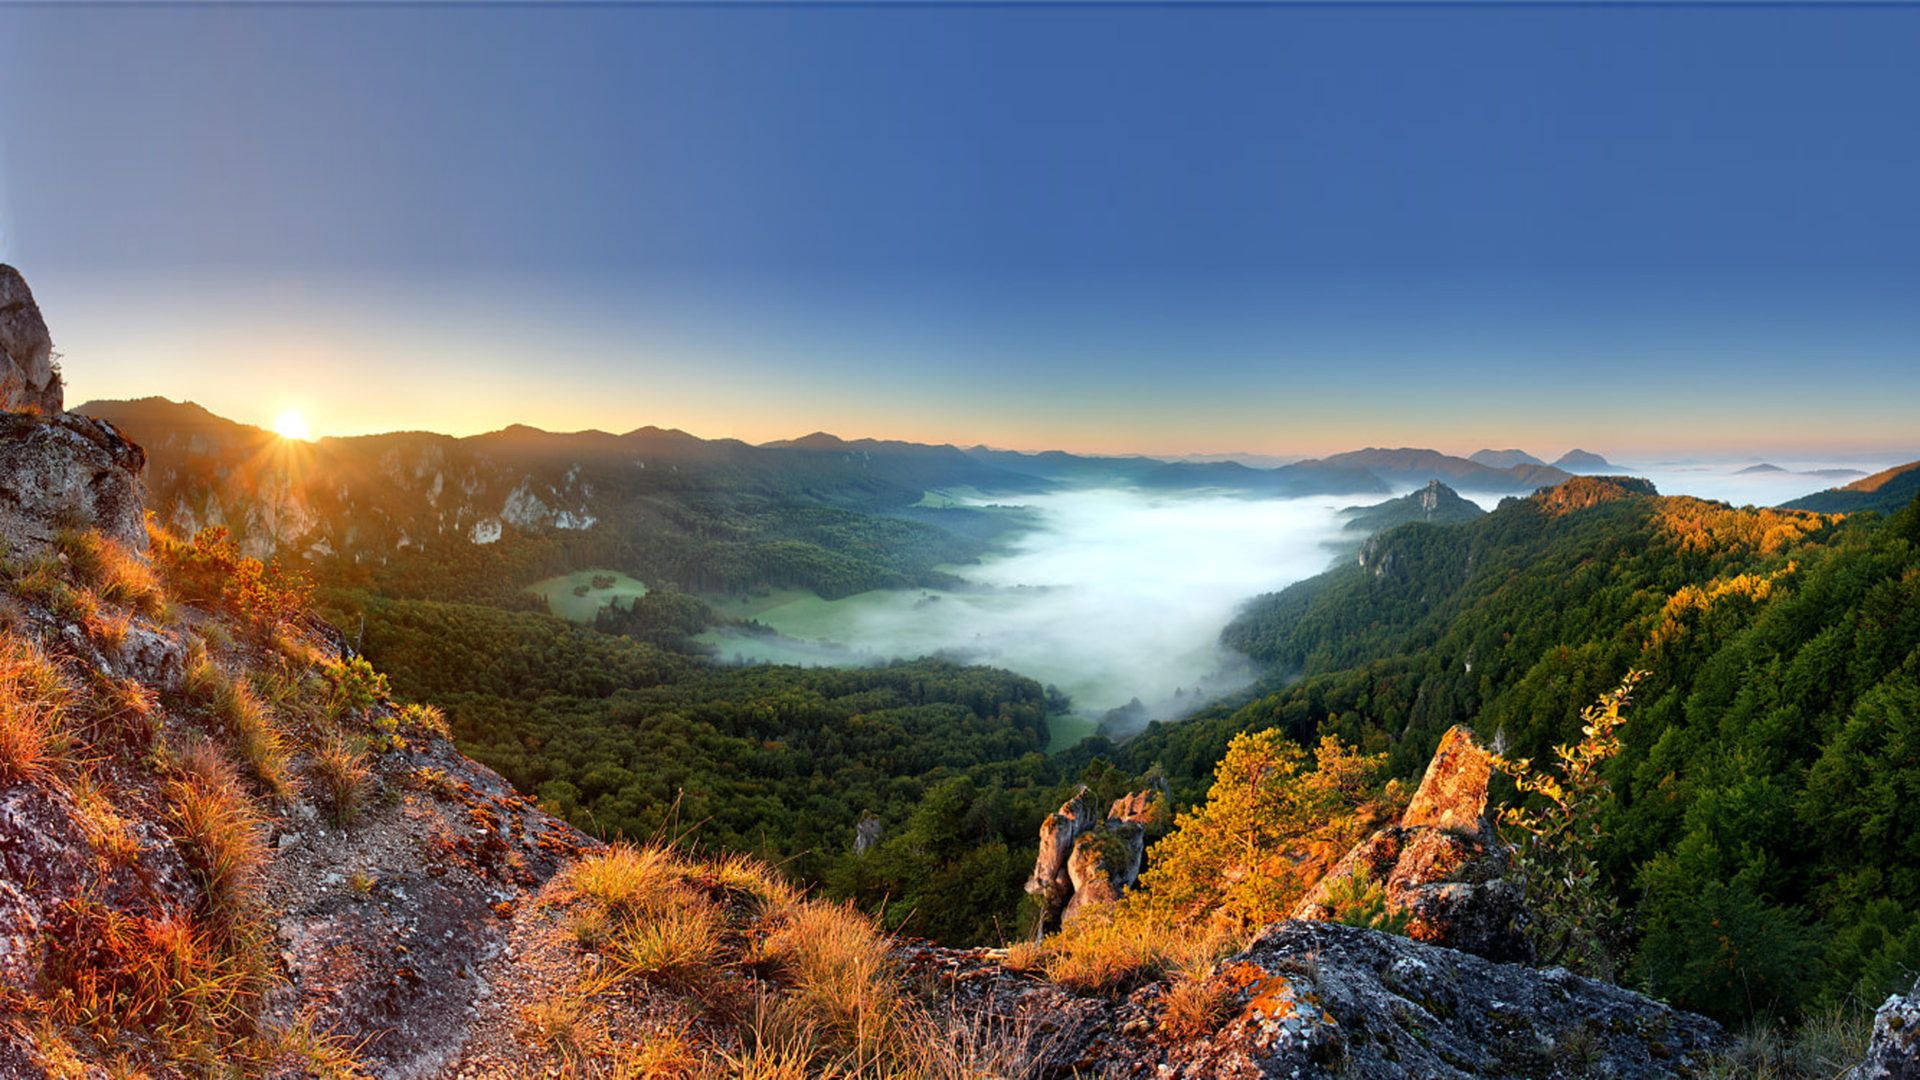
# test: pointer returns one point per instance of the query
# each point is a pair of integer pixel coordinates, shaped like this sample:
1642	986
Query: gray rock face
28	380
1894	1052
57	471
1327	1000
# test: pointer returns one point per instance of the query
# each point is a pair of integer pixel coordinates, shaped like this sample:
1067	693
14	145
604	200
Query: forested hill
1767	832
1885	491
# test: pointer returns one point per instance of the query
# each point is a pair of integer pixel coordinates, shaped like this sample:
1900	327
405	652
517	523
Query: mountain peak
1503	459
1583	461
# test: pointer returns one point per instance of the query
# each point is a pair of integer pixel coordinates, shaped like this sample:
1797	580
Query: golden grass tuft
1112	948
121	709
564	1026
629	880
843	979
340	770
166	973
108	832
34	702
676	947
218	829
238	710
1196	1005
117	575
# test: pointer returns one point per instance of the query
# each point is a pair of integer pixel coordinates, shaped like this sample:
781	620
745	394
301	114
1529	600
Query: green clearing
566	601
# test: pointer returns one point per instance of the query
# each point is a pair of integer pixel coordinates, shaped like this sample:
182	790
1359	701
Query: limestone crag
1085	861
29	382
1442	863
1894	1052
64	471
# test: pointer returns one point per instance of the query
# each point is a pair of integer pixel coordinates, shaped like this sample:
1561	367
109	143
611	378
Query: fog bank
1116	595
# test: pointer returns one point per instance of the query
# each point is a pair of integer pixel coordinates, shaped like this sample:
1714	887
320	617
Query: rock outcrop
1085	861
67	471
28	380
1894	1051
1441	864
1322	1000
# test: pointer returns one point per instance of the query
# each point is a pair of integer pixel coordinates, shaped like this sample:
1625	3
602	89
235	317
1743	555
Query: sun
291	425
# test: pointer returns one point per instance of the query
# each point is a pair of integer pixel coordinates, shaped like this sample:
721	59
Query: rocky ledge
1316	999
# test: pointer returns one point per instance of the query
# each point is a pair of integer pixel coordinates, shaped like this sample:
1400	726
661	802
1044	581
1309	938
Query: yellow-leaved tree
1272	823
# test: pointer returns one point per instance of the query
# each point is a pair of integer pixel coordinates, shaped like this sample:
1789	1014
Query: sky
1639	229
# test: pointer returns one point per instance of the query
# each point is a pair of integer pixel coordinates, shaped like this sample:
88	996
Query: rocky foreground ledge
1312	999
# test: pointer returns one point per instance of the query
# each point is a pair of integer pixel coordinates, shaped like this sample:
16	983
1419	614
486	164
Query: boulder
67	470
1894	1051
28	380
1442	864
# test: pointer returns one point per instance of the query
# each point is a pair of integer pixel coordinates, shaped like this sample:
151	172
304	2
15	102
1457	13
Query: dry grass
232	703
218	829
565	1026
629	880
108	832
121	710
117	575
843	980
676	947
34	702
1197	1004
167	973
1823	1047
340	771
1114	948
314	1052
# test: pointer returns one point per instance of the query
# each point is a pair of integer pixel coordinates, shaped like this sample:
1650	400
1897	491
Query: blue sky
1277	229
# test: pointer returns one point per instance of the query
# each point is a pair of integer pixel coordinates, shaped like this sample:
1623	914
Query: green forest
1765	837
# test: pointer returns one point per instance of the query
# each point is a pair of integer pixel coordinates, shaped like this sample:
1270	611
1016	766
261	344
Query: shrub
356	686
1357	900
1268	827
211	572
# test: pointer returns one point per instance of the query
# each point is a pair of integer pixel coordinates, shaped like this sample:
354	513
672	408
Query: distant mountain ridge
1415	466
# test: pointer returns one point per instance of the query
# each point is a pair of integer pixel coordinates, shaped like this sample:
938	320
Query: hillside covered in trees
1762	839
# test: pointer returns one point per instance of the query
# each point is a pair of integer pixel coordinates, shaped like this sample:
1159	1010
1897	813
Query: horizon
1266	230
1252	459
